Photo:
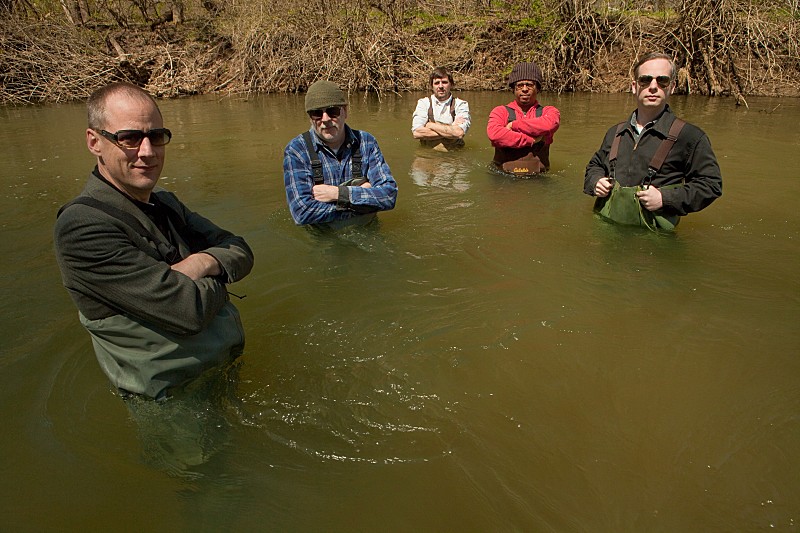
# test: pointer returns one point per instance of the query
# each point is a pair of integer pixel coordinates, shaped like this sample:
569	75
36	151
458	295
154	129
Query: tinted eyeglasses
645	80
134	138
332	112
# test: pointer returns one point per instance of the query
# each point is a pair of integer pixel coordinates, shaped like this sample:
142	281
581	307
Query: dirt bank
727	50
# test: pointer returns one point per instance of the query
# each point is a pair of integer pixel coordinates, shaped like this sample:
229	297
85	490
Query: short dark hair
651	56
96	104
439	73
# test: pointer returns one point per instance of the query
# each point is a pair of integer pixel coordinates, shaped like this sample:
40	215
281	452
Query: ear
93	141
633	86
344	112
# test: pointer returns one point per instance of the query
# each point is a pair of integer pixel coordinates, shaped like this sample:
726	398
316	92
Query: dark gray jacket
691	162
152	327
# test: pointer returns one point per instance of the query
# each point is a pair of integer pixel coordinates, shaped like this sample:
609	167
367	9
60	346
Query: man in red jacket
522	131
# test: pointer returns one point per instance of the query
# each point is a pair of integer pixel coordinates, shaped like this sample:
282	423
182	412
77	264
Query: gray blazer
139	311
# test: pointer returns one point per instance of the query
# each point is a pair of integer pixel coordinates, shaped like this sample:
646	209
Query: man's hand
650	198
197	266
326	193
603	187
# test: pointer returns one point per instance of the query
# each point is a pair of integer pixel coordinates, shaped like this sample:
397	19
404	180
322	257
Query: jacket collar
514	105
99	188
660	124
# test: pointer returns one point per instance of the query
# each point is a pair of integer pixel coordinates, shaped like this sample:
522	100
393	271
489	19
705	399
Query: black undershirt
154	210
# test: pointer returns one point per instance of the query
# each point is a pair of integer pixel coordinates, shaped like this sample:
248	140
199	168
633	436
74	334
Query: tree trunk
72	11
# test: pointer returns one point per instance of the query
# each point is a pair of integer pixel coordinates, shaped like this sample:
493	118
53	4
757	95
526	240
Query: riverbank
734	49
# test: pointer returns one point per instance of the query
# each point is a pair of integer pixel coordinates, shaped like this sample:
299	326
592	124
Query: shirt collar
650	124
350	140
437	103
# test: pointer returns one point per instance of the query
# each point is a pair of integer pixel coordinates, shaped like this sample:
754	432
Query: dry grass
723	47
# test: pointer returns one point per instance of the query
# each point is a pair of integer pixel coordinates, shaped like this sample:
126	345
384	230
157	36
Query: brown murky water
490	357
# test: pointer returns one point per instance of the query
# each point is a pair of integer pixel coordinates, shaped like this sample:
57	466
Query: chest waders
365	213
357	177
526	161
140	358
442	144
622	205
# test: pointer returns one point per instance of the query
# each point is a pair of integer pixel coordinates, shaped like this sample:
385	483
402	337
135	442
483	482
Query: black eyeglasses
645	80
332	112
134	138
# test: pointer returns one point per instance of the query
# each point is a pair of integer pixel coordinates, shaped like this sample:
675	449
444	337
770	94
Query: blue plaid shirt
299	181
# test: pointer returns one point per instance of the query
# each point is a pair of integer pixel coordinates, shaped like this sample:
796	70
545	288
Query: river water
489	357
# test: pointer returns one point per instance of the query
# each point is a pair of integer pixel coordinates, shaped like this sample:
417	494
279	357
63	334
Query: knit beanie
324	94
525	71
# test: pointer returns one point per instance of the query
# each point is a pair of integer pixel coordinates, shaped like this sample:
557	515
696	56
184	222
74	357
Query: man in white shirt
441	120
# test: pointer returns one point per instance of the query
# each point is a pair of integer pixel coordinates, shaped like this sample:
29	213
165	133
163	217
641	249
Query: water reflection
189	427
439	169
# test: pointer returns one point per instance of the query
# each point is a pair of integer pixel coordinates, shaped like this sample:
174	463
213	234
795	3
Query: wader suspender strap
663	150
170	254
452	109
658	158
512	115
612	154
316	164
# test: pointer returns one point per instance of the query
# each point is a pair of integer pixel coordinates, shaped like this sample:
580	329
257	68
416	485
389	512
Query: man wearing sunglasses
333	174
441	120
522	131
688	177
147	274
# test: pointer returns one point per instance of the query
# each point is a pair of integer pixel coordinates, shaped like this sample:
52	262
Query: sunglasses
645	80
134	138
332	112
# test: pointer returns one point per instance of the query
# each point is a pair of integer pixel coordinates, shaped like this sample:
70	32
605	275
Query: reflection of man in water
441	120
522	131
148	275
440	170
688	178
333	173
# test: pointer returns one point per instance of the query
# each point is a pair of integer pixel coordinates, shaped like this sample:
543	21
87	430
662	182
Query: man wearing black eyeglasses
522	131
663	165
147	274
333	174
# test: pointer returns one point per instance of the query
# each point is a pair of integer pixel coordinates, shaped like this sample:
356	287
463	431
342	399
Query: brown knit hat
324	94
525	71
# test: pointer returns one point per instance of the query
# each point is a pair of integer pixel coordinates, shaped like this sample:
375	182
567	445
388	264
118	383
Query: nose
146	149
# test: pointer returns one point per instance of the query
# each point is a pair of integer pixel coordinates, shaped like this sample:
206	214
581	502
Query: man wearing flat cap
334	174
522	131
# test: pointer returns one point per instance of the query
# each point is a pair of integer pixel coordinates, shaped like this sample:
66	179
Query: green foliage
528	23
426	19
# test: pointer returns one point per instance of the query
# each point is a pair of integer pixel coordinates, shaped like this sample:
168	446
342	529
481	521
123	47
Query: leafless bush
49	70
723	47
